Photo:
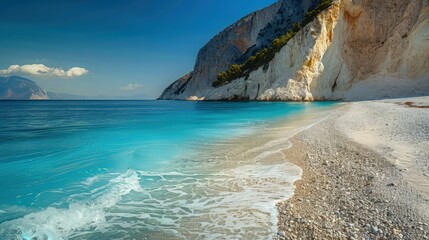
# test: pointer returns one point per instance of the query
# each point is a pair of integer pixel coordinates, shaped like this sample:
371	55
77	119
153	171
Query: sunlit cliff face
353	50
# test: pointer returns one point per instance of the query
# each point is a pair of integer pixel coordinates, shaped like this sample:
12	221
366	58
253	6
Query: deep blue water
80	158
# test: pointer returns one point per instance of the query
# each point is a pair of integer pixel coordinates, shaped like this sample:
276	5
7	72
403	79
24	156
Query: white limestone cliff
356	49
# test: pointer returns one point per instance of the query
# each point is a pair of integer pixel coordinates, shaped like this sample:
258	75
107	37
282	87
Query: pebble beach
352	187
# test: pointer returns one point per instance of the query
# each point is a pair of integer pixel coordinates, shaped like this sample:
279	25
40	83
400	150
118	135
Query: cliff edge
353	49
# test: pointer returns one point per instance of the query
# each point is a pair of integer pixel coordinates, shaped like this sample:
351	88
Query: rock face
356	49
177	87
236	43
20	88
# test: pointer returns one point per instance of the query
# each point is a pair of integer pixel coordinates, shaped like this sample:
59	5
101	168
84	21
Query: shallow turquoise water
114	169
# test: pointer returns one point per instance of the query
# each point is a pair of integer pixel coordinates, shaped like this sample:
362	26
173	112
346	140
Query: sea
147	169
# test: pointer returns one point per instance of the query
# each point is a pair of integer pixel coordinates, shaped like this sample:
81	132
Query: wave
232	203
56	223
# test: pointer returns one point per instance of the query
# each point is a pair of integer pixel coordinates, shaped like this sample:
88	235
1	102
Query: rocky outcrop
195	98
20	88
177	87
236	43
379	49
353	50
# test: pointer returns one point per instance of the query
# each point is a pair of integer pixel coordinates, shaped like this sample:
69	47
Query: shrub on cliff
265	55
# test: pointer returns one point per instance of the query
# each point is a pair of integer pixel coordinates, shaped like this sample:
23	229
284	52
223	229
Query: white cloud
40	69
76	72
131	86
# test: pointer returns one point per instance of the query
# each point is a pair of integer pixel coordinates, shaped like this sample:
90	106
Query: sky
110	47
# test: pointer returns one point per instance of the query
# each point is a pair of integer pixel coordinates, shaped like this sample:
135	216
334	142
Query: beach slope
366	174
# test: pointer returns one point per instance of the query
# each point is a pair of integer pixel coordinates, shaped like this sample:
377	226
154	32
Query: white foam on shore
234	203
56	223
238	203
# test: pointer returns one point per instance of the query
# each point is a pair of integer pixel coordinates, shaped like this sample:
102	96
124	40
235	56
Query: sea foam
57	223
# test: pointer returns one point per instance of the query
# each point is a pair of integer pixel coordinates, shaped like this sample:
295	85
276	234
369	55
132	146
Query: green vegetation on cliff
264	56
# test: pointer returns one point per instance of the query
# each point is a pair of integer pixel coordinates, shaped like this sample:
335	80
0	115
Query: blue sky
127	47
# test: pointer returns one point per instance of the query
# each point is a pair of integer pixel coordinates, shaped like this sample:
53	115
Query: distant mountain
20	88
65	96
140	96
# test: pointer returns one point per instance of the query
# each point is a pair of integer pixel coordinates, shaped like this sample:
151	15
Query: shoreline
350	189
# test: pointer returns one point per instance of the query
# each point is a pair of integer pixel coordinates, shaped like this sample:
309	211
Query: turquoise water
137	169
